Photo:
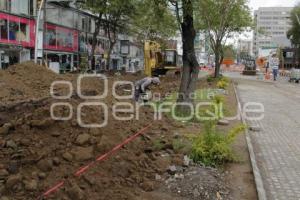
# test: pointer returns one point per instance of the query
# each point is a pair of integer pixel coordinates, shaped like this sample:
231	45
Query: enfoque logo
126	108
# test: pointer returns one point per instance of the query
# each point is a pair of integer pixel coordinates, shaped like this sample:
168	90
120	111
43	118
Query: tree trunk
94	43
217	63
111	47
190	65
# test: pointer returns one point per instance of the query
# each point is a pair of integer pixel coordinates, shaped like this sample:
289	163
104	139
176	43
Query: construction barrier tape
83	169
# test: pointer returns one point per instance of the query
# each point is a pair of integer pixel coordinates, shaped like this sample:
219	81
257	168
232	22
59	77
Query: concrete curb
257	175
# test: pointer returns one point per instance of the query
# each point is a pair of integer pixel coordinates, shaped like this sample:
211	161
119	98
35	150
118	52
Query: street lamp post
38	22
37	30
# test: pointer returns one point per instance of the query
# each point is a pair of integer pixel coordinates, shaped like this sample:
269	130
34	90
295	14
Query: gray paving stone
277	144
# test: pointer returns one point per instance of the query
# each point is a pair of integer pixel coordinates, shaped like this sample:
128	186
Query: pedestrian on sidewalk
274	65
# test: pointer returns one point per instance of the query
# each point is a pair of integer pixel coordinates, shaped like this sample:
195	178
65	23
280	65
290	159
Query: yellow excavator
157	61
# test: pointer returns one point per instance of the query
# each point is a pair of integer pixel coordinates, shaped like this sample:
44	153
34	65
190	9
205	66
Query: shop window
23	34
13	30
61	39
3	29
64	39
82	44
50	39
3	5
19	6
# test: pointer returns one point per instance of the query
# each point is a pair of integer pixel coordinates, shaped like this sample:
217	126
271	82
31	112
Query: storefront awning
10	47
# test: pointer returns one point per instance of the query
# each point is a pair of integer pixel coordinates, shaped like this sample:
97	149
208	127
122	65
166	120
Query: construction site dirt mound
25	81
39	154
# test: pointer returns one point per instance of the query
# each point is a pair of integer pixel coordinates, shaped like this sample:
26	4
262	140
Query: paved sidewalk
277	144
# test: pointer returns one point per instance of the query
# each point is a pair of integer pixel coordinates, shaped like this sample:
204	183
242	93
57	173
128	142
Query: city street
276	143
150	99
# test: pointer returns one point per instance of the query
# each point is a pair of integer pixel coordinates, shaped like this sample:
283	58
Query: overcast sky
255	4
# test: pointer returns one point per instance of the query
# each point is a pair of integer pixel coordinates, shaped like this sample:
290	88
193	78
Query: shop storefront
85	48
16	39
61	48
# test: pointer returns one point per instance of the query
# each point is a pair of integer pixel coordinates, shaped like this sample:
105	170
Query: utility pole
41	6
37	30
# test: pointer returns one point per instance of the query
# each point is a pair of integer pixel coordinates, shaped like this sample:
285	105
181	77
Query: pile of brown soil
25	81
38	152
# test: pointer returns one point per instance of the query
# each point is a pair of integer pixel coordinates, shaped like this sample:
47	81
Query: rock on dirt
148	186
198	182
67	156
25	142
41	123
3	173
42	175
12	181
223	122
95	132
83	139
56	161
83	153
75	193
172	170
31	185
105	144
4	130
158	177
186	161
45	165
11	144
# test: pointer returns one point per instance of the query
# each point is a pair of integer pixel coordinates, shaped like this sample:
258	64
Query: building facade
244	48
68	36
17	31
131	53
272	25
202	48
64	38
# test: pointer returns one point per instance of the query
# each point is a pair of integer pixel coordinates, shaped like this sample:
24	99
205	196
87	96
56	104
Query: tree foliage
113	16
221	18
153	20
294	33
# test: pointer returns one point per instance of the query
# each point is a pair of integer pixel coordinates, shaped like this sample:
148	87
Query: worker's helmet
156	81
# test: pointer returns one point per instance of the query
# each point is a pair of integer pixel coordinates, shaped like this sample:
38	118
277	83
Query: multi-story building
17	26
132	54
272	25
244	48
68	37
202	48
64	38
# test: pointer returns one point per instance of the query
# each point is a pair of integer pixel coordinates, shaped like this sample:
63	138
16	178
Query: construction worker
142	85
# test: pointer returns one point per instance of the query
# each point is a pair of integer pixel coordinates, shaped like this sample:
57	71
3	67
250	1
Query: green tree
294	33
153	20
184	12
222	18
98	9
228	51
113	16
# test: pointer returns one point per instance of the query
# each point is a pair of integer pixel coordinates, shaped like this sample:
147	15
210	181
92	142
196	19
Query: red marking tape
83	169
